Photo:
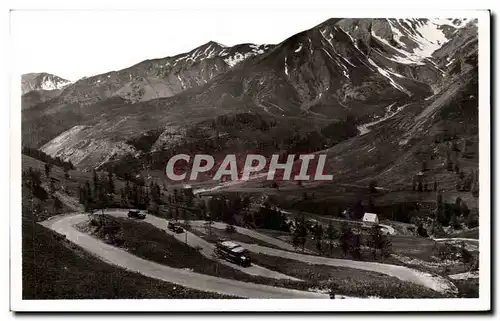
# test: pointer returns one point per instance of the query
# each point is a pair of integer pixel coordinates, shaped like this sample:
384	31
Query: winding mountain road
116	256
64	224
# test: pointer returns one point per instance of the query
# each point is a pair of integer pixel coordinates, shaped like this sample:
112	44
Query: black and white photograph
217	157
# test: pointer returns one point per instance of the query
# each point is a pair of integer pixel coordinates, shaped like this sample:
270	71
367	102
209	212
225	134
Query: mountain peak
42	81
214	43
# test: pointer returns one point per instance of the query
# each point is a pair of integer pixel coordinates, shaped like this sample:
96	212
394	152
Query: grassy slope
216	234
345	280
407	246
467	288
71	185
471	234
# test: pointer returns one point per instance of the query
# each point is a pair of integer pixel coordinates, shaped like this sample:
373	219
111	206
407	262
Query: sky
74	44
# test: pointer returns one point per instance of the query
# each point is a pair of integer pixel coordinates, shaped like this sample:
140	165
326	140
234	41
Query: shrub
472	220
422	231
230	228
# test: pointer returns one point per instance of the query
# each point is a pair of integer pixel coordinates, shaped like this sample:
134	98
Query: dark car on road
174	227
232	252
136	214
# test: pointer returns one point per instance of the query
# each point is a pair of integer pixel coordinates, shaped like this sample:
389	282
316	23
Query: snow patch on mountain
180	80
310	47
49	83
236	58
428	37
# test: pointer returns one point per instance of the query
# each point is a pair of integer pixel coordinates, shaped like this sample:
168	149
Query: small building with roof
370	219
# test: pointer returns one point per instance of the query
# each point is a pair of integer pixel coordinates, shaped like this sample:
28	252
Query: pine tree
318	235
385	246
295	237
87	201
81	193
449	163
102	198
58	205
345	238
331	235
111	183
145	199
464	209
454	222
52	187
124	198
95	180
355	246
88	192
465	256
48	168
128	191
472	220
475	185
439	207
435	186
379	241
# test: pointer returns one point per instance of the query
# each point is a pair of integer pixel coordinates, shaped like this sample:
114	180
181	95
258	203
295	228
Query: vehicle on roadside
175	227
136	214
232	252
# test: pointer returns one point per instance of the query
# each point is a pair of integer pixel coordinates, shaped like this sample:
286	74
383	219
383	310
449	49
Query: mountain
42	81
339	74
